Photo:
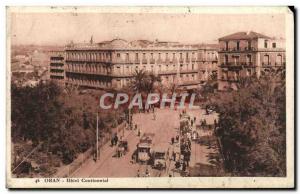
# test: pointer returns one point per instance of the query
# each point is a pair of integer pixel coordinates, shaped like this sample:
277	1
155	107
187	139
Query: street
164	125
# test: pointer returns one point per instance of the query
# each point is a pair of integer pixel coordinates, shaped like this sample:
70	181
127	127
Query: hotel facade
112	64
245	54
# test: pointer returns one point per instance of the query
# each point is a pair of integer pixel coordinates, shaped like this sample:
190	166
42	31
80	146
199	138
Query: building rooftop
244	36
121	44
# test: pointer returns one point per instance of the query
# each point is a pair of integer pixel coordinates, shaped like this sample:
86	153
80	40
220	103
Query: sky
61	28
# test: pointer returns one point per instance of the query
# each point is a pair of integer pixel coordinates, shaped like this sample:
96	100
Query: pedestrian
177	138
183	167
116	140
147	174
177	164
174	156
139	133
172	140
189	144
94	156
194	119
138	173
112	141
188	157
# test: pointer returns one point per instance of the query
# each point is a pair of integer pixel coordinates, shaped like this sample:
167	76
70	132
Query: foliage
144	82
252	127
64	122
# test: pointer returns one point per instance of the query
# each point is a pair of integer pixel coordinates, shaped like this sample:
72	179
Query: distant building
112	64
21	58
245	54
39	59
56	67
30	83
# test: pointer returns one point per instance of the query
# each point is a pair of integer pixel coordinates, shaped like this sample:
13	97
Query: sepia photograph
150	97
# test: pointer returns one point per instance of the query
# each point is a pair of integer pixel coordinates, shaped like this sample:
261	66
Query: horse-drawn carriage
122	148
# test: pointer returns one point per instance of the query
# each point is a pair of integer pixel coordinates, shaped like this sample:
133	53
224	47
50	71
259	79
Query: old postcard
150	97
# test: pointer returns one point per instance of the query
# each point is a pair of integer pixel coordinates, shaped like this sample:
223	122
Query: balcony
56	64
189	70
167	60
159	61
266	64
88	72
237	49
174	61
56	58
127	61
166	72
249	64
181	60
88	83
249	49
57	67
136	61
280	64
231	64
189	82
57	73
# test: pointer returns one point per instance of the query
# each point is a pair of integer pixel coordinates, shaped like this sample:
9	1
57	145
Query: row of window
81	80
159	67
107	56
165	79
89	56
249	45
89	68
159	55
266	59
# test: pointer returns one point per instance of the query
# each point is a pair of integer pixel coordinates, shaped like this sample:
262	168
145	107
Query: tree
39	114
144	82
36	112
252	127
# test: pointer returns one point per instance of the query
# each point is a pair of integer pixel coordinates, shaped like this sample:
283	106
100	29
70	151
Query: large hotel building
112	64
248	53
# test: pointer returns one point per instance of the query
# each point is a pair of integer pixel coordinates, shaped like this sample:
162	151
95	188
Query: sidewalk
90	166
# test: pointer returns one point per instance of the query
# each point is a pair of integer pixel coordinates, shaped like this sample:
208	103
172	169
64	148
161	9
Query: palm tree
144	82
137	83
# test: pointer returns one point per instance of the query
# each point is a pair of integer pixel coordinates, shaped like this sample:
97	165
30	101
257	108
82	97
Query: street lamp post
97	139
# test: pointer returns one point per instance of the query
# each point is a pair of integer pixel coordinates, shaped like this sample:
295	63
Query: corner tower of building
245	54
